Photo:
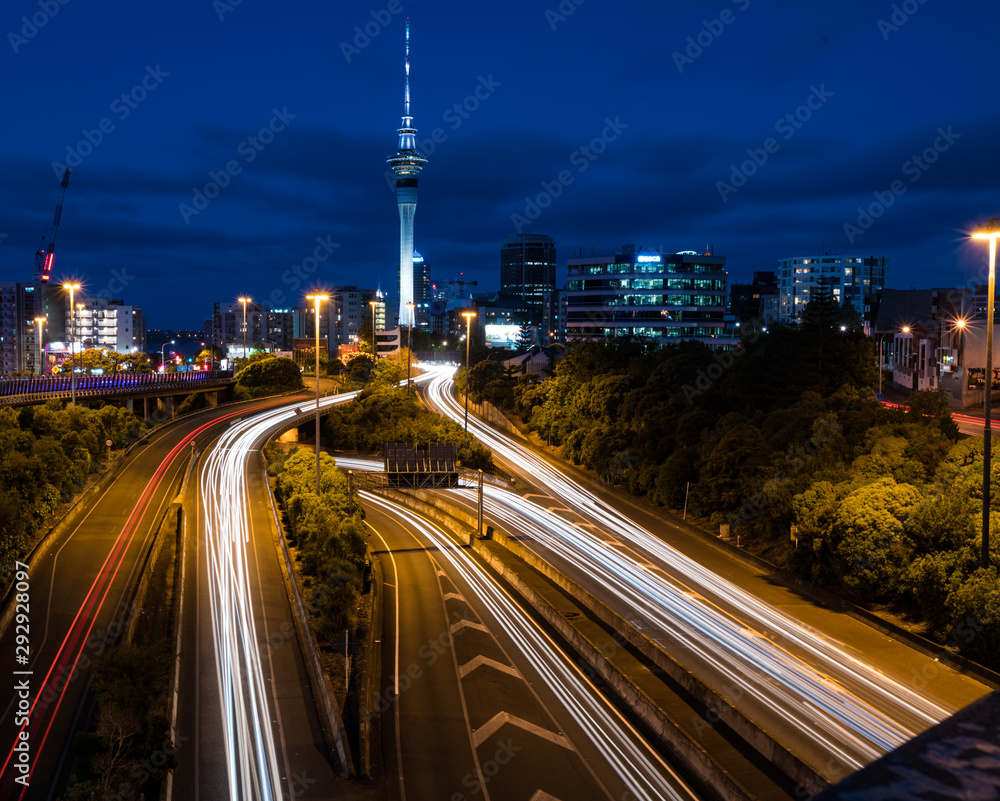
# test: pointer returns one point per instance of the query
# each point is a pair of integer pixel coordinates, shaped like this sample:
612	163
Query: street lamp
318	299
172	341
409	339
244	301
991	233
72	287
41	365
373	304
468	339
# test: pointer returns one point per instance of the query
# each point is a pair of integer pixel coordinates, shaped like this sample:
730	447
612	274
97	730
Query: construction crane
45	255
460	281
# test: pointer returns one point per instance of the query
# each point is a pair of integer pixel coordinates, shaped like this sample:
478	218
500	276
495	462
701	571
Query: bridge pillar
130	404
211	399
165	407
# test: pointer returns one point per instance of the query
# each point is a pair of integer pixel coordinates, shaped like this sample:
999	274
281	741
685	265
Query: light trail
845	705
252	766
645	774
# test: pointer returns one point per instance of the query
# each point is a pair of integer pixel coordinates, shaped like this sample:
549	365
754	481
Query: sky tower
406	163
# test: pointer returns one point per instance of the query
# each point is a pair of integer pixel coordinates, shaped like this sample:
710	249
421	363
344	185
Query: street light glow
317	298
991	233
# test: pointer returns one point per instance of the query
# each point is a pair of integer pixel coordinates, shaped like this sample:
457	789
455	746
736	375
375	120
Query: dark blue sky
674	118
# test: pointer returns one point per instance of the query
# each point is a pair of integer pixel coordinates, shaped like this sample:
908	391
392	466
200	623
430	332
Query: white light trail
644	777
845	705
252	764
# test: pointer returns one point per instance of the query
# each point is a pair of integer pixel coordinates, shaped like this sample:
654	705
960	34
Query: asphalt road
77	584
711	610
477	701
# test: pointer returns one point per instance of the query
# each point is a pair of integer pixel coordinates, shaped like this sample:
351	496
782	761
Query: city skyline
752	132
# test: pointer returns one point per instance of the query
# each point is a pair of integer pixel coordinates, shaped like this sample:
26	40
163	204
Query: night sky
839	103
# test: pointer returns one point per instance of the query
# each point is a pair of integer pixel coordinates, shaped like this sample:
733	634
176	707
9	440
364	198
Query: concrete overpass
156	392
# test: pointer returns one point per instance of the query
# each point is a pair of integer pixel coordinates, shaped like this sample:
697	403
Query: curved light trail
846	706
645	775
252	764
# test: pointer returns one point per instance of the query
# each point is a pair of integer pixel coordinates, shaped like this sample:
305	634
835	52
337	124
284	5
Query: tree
268	376
525	338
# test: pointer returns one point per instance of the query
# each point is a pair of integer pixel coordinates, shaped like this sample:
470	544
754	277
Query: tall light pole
991	233
244	301
172	341
374	305
317	299
468	339
72	287
40	321
409	339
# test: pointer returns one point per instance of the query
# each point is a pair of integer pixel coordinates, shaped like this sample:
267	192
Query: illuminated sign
501	334
642	259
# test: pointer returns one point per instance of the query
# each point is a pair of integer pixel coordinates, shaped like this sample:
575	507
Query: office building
643	293
528	275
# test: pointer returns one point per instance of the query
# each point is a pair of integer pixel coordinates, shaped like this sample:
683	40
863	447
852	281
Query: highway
479	701
837	702
246	706
77	584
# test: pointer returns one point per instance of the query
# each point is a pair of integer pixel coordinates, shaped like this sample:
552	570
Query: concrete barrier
326	703
371	673
461	522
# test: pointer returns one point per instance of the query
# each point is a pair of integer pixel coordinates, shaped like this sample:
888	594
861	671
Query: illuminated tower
407	164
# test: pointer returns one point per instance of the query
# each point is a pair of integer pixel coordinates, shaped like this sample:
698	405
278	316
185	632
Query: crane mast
45	255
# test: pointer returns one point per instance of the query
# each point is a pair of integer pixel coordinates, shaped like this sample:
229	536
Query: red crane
45	255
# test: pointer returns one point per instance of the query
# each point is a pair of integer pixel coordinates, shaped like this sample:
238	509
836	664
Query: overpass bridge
157	392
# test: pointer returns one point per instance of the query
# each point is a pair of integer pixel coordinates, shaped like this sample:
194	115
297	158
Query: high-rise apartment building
852	279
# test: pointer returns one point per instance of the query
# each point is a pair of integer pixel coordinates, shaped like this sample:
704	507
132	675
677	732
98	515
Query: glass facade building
662	297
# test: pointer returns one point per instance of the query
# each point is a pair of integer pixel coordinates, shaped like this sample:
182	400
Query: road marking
500	718
541	795
481	660
454	596
462	624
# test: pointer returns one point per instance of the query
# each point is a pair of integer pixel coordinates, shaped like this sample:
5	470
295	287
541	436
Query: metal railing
15	390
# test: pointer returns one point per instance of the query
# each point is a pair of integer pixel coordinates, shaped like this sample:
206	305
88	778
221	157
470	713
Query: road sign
879	396
109	443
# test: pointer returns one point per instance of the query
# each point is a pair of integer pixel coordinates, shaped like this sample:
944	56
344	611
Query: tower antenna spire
406	92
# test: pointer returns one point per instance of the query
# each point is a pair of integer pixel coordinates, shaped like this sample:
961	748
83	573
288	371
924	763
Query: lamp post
162	365
373	304
317	299
72	287
244	301
409	339
468	339
991	233
40	321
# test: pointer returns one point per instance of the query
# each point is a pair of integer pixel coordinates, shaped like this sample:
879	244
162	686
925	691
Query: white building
104	323
852	278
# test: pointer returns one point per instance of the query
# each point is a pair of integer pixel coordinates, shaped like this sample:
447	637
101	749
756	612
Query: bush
269	376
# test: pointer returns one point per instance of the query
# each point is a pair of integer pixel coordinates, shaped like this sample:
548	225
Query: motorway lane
488	705
77	585
204	768
885	682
